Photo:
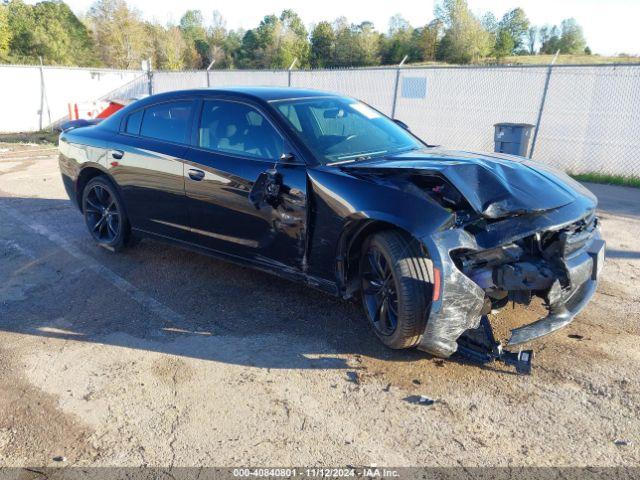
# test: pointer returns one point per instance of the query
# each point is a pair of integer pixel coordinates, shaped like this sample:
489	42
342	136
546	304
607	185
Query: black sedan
326	190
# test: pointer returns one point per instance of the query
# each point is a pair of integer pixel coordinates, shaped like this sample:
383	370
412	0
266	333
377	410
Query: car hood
495	185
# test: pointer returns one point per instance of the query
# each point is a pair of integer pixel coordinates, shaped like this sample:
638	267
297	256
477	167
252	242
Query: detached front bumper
462	301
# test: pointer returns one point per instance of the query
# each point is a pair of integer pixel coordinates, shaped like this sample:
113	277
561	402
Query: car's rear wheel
396	287
104	214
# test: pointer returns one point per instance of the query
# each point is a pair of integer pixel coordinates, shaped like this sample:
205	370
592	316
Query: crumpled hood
495	185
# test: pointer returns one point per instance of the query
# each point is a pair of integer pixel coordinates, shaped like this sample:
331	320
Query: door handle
195	174
117	154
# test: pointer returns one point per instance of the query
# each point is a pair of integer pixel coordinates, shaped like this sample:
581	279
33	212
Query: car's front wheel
396	287
104	214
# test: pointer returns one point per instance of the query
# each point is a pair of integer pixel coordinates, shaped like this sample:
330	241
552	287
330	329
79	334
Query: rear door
235	142
147	162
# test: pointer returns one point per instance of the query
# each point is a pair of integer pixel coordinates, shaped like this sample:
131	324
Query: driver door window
238	129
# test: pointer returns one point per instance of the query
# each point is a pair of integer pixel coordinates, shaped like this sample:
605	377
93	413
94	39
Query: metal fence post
395	88
289	71
209	68
542	102
43	97
146	67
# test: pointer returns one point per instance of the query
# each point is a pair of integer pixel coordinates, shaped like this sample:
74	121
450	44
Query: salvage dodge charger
326	190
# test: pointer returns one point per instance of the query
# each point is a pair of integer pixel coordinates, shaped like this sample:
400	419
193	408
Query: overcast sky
610	26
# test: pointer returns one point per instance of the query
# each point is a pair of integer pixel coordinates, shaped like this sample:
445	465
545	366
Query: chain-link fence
587	117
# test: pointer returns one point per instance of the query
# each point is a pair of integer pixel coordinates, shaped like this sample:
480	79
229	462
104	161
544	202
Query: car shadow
59	284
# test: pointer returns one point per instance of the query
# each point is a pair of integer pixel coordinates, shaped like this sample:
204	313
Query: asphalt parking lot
162	357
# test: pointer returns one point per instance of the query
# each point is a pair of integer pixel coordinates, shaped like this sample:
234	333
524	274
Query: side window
167	121
133	122
238	129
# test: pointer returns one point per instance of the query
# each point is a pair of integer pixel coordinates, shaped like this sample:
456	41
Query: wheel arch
88	173
350	247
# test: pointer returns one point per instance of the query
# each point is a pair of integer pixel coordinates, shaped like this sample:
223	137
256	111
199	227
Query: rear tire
104	214
396	287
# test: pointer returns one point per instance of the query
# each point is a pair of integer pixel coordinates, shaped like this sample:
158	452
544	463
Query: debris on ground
622	443
420	400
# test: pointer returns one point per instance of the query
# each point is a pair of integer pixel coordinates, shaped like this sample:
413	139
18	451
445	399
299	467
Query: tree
504	45
49	30
425	41
5	32
276	42
169	48
217	36
514	24
120	35
343	50
366	45
572	38
398	42
197	53
549	39
532	37
322	45
465	40
294	43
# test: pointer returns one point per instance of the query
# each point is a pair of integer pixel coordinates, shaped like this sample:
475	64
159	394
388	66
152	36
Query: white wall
20	92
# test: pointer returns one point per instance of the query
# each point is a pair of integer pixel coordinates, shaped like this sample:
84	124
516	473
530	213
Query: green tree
197	52
512	30
168	47
532	38
397	44
276	42
21	24
572	39
425	41
504	45
49	30
322	45
5	32
120	35
549	39
465	40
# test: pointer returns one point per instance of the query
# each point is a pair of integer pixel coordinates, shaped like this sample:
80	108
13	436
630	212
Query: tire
104	214
396	273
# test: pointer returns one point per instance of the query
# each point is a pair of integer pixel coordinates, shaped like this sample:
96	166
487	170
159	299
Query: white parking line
116	280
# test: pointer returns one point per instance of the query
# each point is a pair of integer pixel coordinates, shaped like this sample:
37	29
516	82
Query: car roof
266	94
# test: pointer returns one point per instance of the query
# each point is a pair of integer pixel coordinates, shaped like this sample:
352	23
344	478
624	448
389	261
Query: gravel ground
162	357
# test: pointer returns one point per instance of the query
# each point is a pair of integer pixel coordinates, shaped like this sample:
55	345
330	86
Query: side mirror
401	123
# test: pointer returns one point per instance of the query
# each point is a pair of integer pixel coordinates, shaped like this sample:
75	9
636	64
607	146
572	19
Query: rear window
133	122
167	121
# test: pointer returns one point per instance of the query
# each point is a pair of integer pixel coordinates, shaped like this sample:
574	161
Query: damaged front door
235	145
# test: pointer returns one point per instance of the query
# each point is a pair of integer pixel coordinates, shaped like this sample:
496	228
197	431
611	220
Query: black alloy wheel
379	292
102	215
396	287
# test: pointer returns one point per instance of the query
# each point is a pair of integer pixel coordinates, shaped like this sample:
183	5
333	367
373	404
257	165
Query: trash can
513	138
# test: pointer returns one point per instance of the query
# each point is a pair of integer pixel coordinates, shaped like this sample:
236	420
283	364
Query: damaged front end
560	265
516	230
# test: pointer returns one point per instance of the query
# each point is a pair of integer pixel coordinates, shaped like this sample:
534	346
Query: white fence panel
20	90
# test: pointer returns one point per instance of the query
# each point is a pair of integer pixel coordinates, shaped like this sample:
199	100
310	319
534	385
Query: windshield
342	129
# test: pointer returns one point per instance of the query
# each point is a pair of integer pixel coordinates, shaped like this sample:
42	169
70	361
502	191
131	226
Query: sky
610	26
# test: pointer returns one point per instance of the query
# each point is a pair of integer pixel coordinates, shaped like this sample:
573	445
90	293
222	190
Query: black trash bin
513	138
